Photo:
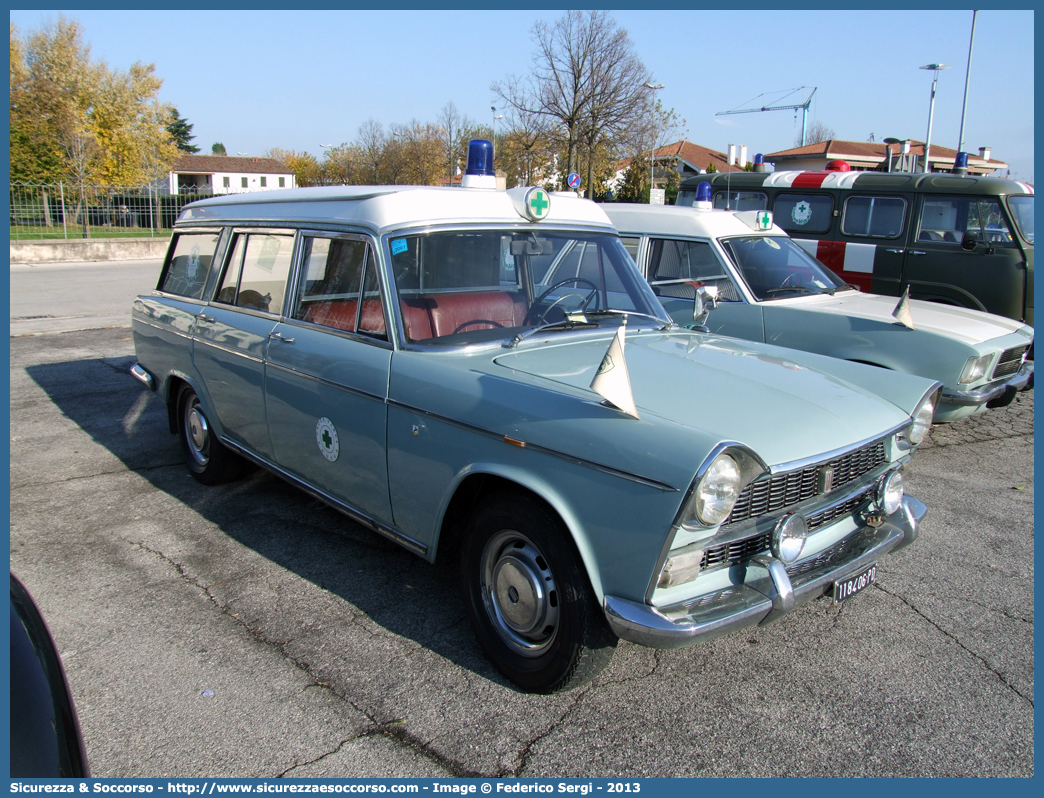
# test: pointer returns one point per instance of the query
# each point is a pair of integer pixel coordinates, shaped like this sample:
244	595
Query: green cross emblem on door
327	440
537	204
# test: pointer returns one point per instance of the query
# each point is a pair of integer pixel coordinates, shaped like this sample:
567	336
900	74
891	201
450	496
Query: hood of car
968	326
726	389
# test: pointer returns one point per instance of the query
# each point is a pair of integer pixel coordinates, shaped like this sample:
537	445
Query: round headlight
788	538
891	493
718	491
922	419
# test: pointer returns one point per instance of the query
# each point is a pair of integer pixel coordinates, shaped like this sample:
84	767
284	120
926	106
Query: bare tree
816	133
454	124
586	76
618	88
371	143
526	148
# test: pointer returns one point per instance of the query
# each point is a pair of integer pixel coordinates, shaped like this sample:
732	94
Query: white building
223	174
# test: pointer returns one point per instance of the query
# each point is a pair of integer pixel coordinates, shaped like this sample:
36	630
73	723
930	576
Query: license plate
852	585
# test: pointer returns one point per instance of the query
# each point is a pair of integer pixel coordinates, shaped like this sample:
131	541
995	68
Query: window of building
225	181
264	182
875	217
282	182
243	182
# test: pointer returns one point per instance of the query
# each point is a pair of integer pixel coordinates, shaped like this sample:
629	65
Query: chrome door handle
204	317
280	337
917	252
895	251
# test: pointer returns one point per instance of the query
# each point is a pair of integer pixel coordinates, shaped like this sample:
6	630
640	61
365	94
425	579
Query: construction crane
803	106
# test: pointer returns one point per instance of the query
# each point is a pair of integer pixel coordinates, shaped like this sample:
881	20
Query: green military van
960	240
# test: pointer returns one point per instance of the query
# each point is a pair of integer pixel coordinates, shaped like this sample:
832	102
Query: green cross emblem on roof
537	204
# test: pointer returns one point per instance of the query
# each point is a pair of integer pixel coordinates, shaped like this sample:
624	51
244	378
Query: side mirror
969	241
705	301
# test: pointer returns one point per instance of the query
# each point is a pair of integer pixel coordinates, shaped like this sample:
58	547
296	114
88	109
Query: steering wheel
535	316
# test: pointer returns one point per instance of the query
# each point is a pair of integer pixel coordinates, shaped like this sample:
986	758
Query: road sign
573	180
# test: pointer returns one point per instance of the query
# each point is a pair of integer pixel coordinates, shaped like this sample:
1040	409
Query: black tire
210	461
529	601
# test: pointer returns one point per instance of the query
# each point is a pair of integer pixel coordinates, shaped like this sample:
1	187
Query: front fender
539	487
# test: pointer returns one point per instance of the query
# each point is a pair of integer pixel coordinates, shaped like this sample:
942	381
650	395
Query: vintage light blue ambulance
595	471
768	288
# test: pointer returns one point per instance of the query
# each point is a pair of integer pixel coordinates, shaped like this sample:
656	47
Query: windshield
775	267
1022	210
465	287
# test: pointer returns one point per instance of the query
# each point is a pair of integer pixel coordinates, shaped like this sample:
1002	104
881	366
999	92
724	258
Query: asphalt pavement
248	630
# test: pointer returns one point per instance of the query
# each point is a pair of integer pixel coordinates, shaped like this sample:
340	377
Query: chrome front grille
838	510
824	558
735	552
1010	361
729	554
771	493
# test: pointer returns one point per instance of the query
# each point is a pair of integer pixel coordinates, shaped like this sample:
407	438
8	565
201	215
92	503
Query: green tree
217	148
635	187
77	119
711	168
181	131
304	165
52	82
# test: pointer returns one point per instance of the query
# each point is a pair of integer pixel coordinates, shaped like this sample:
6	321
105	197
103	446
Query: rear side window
186	274
874	217
804	213
257	271
676	268
631	245
741	200
334	271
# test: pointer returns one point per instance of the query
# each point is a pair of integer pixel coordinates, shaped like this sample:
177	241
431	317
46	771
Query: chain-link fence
71	210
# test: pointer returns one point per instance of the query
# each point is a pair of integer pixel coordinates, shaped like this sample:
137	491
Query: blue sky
259	79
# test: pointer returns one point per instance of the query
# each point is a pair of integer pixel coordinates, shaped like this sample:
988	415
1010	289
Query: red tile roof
876	151
209	164
698	156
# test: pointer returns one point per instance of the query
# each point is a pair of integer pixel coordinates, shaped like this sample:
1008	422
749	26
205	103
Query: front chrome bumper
765	591
1019	381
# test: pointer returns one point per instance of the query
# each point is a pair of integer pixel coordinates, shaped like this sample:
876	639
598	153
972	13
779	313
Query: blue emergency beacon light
703	197
479	172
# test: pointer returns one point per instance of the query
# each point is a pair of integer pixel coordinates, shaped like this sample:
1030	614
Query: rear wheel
528	598
211	462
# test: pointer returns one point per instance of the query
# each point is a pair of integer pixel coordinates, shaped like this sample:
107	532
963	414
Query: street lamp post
652	159
496	116
967	79
931	111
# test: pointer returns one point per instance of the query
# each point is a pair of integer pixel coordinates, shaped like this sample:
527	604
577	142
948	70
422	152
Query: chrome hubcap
197	433
519	592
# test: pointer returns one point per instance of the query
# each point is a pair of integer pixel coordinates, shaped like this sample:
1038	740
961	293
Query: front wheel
528	599
211	462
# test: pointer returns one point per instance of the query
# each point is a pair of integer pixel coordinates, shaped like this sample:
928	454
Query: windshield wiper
567	324
614	312
796	288
845	287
